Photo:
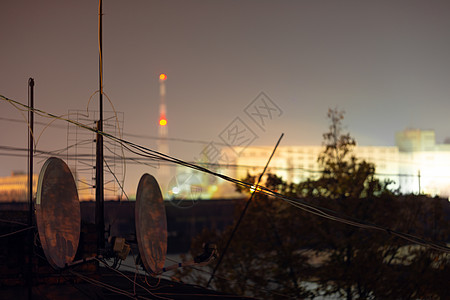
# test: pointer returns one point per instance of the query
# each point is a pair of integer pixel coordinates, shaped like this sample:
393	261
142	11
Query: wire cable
254	287
325	213
104	285
133	281
242	214
15	232
117	180
13	222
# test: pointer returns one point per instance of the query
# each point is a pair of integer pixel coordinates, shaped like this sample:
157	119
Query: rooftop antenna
30	183
236	226
151	224
151	230
58	215
99	192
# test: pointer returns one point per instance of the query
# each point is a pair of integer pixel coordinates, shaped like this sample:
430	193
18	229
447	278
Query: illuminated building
298	163
416	164
426	163
14	188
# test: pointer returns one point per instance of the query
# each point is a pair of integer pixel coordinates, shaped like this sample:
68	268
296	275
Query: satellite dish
151	224
58	213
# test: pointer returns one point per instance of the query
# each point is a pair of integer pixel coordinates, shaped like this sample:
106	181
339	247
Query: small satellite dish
151	224
58	213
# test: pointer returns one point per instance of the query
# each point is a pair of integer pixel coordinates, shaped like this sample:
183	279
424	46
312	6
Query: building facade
14	188
416	164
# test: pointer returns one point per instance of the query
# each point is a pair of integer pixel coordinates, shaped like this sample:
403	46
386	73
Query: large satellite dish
58	213
151	224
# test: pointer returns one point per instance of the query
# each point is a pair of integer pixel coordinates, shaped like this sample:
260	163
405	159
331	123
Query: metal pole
29	276
30	150
100	47
99	192
418	177
99	195
242	215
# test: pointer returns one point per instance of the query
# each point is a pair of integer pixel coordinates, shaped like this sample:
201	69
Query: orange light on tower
162	144
162	104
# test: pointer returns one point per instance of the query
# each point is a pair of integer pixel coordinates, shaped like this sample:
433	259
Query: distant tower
163	146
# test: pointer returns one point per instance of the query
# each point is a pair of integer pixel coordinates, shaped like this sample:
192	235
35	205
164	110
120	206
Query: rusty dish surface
151	224
58	213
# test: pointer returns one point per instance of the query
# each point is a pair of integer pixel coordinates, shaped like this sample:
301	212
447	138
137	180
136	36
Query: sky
385	63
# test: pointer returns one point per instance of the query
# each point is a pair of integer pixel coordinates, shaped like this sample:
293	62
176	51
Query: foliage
280	248
263	259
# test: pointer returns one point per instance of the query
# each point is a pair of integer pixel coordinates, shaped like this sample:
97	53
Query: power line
15	232
297	202
138	160
306	170
36	122
254	287
235	228
143	136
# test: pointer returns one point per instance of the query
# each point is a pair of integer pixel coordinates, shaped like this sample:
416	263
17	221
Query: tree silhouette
282	251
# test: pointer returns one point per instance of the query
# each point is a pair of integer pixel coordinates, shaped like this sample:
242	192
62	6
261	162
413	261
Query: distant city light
175	190
162	77
163	122
254	188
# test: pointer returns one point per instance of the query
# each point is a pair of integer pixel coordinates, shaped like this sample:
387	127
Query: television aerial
151	230
58	214
151	224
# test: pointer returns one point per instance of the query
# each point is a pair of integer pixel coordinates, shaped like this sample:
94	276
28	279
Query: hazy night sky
386	63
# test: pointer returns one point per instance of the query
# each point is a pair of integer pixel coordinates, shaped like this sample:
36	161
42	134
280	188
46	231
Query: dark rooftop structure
92	280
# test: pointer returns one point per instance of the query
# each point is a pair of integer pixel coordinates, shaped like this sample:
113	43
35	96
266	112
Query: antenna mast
99	192
29	277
